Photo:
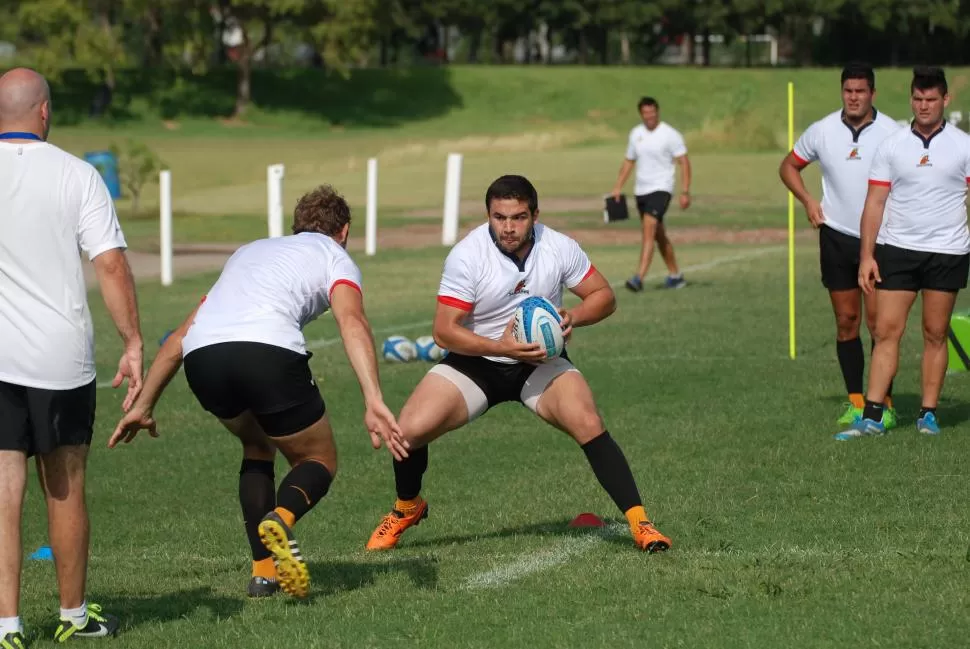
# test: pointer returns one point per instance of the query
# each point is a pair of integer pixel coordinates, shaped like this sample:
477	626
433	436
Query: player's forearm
792	178
359	346
165	366
685	175
118	291
460	340
625	170
869	228
597	306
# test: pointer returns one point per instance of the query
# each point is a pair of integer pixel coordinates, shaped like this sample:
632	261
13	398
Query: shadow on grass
137	610
372	97
332	577
558	529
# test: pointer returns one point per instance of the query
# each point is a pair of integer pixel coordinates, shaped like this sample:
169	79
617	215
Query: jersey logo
925	161
519	288
854	154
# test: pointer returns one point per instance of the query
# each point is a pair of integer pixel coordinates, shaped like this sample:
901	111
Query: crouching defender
246	362
486	276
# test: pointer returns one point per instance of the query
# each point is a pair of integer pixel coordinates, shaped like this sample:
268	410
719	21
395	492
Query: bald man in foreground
52	204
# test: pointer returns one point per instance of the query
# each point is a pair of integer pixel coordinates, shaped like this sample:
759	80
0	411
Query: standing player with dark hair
486	276
654	147
844	144
918	183
246	362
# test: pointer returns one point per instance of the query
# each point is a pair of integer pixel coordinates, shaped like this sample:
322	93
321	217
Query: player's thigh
445	399
937	310
559	394
61	471
894	308
256	444
62	425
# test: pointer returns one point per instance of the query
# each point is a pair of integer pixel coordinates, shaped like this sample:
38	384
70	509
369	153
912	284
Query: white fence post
449	230
370	244
165	214
274	193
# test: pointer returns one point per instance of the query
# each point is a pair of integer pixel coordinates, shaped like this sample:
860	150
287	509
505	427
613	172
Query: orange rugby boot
392	526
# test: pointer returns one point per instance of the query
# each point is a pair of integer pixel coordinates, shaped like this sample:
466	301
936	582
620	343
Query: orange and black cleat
648	538
392	526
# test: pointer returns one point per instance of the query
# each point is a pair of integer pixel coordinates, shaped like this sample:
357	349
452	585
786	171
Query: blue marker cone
43	553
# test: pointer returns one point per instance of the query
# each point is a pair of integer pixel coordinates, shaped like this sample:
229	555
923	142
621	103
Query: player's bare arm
790	171
625	170
140	414
118	290
872	216
598	302
348	311
451	335
685	176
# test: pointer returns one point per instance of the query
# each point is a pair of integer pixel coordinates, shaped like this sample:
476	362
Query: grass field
782	537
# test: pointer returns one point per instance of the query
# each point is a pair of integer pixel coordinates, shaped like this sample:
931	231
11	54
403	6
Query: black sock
613	471
872	411
257	497
924	410
408	474
852	360
303	487
889	392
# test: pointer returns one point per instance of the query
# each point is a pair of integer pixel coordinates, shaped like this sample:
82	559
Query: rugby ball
398	349
538	321
428	349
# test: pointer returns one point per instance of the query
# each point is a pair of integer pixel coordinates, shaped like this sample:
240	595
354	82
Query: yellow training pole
791	228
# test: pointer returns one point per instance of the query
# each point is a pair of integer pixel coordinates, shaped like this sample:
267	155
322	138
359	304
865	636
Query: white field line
532	562
320	343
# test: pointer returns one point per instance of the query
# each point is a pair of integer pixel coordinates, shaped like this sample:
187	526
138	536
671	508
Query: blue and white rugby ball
428	349
398	349
538	321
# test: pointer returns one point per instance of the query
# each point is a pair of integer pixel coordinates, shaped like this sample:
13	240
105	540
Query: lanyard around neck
14	135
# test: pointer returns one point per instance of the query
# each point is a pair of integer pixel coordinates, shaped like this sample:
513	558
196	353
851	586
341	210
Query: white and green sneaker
99	625
13	640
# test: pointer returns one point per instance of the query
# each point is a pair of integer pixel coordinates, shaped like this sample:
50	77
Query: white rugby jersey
654	152
927	177
845	156
52	205
270	289
487	283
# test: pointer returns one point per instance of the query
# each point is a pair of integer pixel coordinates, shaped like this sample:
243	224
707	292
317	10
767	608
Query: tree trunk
445	43
706	48
583	47
153	52
624	48
690	45
604	46
244	84
747	50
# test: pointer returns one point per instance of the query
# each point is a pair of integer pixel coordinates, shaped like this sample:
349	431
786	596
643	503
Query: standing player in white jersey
654	147
918	184
844	144
486	276
246	362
